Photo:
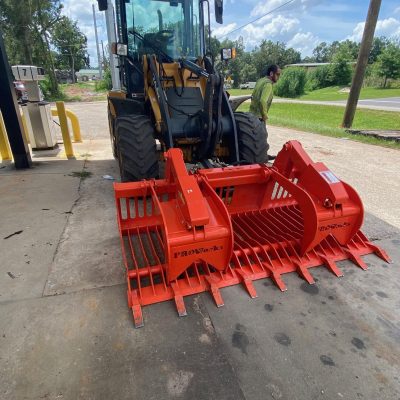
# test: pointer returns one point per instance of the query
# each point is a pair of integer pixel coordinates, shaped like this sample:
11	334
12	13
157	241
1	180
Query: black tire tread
136	147
252	138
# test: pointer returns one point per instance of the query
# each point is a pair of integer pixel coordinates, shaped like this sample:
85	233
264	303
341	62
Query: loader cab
175	27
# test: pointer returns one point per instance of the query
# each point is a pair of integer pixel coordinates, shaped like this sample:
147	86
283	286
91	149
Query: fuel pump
37	113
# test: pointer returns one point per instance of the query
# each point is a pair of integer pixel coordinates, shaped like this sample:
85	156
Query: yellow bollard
76	128
62	116
25	128
5	150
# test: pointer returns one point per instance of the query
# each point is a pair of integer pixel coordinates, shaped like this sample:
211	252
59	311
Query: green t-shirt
262	98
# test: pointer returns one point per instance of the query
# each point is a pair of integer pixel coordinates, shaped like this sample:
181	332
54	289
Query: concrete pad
84	346
93	118
34	210
89	254
336	339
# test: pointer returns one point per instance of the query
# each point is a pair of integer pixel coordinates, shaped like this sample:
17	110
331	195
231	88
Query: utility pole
362	61
97	42
104	54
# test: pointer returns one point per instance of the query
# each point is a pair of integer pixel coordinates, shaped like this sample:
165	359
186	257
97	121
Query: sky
301	24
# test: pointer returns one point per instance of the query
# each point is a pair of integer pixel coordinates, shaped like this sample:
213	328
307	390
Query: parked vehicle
248	85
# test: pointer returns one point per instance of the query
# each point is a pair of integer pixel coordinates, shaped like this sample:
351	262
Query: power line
262	16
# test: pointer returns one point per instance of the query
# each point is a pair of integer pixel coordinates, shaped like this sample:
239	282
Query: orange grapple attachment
196	224
190	233
338	208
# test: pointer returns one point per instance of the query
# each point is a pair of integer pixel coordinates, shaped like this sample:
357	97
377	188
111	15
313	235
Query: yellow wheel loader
169	93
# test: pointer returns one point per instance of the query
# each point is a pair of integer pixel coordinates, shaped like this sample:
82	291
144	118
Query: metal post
10	111
62	116
362	61
112	38
5	151
76	127
97	42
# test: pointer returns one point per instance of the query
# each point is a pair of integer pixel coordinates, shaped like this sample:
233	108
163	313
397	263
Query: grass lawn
327	119
239	92
333	93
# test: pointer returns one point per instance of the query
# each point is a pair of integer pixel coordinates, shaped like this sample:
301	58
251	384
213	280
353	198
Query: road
387	104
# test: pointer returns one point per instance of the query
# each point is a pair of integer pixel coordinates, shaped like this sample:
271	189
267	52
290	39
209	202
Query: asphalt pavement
387	104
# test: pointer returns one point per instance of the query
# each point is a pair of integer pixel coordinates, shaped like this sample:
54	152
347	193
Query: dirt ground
85	91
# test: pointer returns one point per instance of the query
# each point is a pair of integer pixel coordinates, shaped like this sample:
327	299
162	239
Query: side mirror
228	54
103	5
119	49
219	9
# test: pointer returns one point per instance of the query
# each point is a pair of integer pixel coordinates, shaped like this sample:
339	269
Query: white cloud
221	31
279	26
389	27
83	13
304	42
266	6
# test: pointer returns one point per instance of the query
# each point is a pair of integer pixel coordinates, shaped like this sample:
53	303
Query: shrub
45	87
319	78
340	70
292	83
105	83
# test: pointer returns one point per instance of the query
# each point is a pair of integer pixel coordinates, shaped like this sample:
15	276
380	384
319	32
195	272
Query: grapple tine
248	284
215	292
331	265
304	273
381	253
376	249
180	304
136	309
277	279
356	259
279	282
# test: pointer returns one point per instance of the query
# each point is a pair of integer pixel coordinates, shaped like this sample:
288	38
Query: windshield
172	26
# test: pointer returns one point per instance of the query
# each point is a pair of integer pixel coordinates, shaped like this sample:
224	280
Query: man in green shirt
263	93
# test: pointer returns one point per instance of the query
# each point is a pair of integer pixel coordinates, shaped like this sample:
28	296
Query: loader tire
136	146
252	138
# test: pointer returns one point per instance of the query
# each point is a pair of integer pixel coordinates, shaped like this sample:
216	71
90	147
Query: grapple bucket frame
190	233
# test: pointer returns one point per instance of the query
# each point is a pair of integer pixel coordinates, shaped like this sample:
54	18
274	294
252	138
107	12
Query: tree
348	48
71	44
27	29
321	53
16	25
378	45
47	14
388	63
340	69
273	53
